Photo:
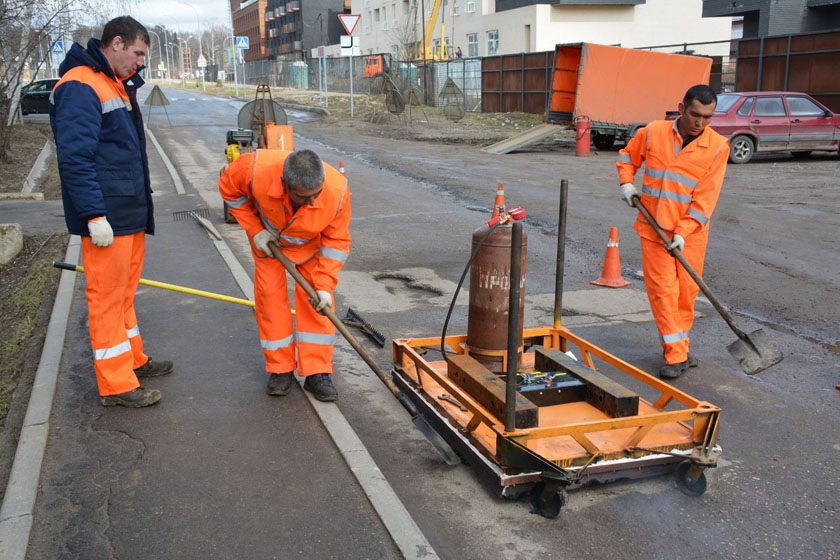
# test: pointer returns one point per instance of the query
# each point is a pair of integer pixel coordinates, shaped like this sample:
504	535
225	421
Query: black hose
458	289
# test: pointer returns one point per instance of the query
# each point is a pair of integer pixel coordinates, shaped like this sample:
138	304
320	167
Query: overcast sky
183	15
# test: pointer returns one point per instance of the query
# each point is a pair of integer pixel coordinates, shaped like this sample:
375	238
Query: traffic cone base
611	274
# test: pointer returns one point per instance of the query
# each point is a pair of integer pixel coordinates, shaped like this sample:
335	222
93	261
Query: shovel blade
756	353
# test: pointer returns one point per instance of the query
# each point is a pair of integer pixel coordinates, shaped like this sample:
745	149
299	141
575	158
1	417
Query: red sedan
775	121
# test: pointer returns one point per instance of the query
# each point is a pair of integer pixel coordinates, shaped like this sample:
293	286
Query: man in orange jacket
107	195
293	200
685	163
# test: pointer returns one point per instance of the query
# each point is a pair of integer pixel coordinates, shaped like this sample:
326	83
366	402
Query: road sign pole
351	76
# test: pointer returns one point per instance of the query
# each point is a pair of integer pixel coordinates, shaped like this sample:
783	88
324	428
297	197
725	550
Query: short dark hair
303	170
126	27
702	93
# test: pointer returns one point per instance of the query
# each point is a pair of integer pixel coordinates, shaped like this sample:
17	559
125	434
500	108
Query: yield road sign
242	43
57	47
349	21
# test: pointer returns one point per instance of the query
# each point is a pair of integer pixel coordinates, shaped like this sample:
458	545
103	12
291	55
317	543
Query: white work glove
324	301
101	233
261	241
628	191
677	242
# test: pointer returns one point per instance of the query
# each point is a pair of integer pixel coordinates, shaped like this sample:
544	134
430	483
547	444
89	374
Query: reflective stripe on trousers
112	275
315	334
671	292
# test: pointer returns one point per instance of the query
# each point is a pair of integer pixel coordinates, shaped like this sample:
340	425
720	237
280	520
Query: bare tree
25	31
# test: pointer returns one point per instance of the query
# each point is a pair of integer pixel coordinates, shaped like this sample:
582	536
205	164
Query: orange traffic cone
500	199
611	275
341	168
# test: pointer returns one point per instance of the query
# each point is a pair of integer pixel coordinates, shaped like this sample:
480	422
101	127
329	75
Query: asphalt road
776	491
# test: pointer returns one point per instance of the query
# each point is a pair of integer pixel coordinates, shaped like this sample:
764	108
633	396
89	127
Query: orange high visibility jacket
253	190
681	185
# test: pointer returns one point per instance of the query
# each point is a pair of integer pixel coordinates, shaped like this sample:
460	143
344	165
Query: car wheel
603	141
741	149
801	155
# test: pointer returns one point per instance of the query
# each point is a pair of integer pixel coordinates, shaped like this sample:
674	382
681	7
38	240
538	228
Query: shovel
434	438
754	352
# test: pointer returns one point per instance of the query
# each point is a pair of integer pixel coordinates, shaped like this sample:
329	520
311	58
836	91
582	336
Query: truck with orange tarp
619	90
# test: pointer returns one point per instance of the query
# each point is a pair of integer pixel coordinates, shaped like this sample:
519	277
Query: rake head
182	215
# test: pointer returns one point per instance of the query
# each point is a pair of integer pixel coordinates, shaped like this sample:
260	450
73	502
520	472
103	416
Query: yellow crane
438	52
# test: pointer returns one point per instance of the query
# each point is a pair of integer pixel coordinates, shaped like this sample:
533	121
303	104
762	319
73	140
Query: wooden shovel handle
290	266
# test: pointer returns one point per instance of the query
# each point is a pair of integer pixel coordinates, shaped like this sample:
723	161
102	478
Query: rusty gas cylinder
487	327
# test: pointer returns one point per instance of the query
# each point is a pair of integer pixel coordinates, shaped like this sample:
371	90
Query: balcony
297	45
293	6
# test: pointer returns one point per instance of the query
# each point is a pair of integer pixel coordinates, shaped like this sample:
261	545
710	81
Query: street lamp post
168	63
200	49
233	50
160	48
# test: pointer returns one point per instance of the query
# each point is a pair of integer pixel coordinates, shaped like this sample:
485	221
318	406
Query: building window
455	8
493	42
472	44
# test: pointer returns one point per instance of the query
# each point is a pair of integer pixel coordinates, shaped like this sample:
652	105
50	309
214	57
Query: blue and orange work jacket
681	185
100	144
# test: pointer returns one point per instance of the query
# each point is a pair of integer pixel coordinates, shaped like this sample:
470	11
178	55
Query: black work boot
279	384
138	398
692	361
672	371
154	369
321	386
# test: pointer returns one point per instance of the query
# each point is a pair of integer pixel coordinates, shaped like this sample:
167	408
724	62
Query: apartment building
249	21
286	29
764	18
494	27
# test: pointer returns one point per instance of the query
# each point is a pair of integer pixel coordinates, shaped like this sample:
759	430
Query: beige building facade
478	29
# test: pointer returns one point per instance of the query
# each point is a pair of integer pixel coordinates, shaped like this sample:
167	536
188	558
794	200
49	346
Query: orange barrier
611	275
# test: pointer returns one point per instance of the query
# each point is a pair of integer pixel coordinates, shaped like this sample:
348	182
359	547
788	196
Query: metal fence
333	74
521	82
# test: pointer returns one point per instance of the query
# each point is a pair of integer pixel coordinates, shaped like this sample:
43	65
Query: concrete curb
16	514
39	169
316	110
179	185
22	196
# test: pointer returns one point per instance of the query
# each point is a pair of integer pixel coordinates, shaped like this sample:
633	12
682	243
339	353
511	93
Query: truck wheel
603	141
741	149
634	129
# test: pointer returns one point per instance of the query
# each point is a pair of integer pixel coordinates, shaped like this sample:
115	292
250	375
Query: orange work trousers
671	292
313	334
112	275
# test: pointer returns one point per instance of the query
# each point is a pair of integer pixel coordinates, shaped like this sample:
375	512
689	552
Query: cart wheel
690	478
548	500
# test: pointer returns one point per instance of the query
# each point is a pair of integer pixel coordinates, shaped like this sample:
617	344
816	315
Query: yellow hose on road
172	287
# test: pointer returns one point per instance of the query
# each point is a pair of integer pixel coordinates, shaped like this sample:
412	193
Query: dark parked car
775	121
35	97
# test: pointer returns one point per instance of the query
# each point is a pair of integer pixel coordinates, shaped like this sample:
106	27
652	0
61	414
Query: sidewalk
217	469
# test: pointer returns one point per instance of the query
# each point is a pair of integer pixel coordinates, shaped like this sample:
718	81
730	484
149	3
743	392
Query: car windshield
726	101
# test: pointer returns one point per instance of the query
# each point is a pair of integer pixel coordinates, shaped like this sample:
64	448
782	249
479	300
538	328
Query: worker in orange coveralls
107	195
685	163
303	206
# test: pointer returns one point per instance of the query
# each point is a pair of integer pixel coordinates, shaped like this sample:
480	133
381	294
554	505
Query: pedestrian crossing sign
242	43
57	47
